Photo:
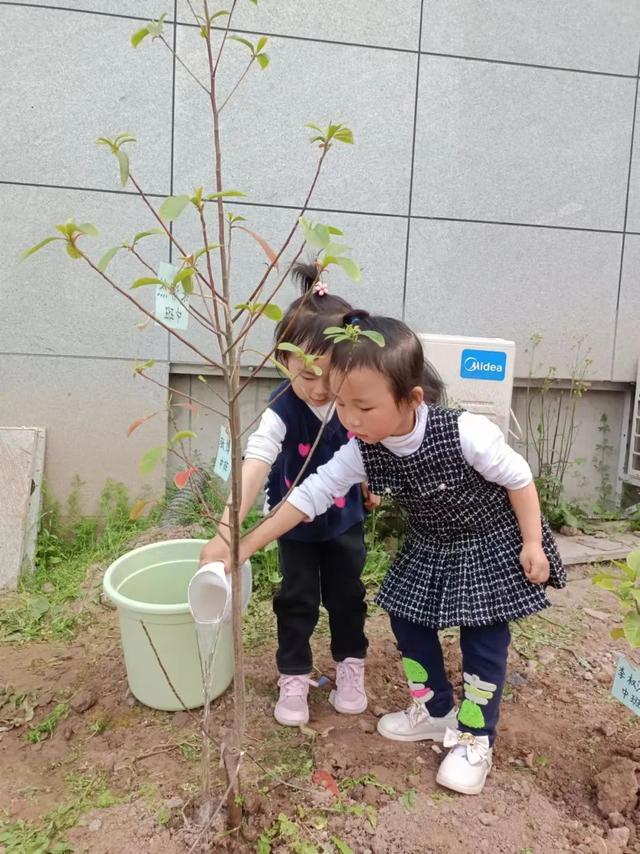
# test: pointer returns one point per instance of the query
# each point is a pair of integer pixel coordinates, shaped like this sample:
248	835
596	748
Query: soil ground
119	777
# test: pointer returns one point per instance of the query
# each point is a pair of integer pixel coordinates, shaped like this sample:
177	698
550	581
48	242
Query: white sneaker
464	769
292	708
416	724
349	696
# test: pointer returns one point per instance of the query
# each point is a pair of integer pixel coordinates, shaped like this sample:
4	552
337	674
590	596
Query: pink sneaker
291	708
349	696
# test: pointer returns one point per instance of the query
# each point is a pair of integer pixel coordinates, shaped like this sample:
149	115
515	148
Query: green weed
366	780
530	634
66	547
46	727
46	836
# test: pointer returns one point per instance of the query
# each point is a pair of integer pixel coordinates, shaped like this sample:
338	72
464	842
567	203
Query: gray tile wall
493	187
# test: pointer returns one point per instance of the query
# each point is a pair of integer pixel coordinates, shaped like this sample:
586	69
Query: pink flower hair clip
320	289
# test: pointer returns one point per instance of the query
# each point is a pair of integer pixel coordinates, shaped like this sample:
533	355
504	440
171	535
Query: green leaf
72	252
150	460
606	581
342	847
142	366
633	560
104	262
333	230
245	42
123	160
172	207
272	311
87	228
181	435
408	800
314	127
225	193
139	36
147	280
617	633
124	137
156	27
336	248
631	626
251	307
334	330
142	234
344	135
261	43
38	606
187	284
290	348
182	275
37	247
232	218
350	267
322	233
263	60
376	337
201	252
315	235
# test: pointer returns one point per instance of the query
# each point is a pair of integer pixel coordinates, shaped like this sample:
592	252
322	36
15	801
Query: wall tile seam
360	45
339	211
624	227
414	130
81	357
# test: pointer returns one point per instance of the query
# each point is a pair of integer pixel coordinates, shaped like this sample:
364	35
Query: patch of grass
530	634
47	835
191	749
99	725
439	797
46	727
287	755
349	783
66	548
259	624
299	834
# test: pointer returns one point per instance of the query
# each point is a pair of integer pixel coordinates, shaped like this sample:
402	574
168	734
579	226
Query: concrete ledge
588	549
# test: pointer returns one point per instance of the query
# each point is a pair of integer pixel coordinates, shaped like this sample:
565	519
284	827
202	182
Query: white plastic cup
209	593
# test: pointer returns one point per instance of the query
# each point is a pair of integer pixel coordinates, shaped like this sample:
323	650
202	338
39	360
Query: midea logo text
473	365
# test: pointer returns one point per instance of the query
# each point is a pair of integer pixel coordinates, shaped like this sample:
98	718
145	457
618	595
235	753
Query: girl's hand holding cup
216	550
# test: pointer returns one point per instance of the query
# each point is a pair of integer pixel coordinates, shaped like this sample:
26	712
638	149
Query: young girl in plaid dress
477	552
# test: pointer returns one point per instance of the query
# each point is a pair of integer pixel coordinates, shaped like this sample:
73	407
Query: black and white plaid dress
459	565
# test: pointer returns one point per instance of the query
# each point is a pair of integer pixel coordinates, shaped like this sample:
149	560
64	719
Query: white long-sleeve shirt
483	447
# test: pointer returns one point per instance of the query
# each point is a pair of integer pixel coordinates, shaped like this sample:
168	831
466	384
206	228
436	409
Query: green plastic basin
149	585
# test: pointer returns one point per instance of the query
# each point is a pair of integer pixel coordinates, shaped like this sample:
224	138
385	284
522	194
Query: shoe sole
393	736
343	711
463	790
291	723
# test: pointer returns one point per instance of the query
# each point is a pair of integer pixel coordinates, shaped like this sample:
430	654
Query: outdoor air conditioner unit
477	372
633	464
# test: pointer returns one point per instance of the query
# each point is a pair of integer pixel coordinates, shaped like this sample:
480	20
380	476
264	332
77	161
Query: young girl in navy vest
322	560
477	553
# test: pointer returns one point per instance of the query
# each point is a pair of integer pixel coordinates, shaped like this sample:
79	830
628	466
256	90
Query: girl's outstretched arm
283	520
526	506
254	473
